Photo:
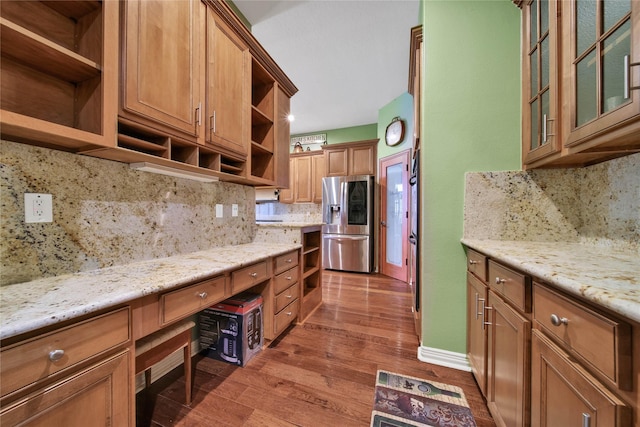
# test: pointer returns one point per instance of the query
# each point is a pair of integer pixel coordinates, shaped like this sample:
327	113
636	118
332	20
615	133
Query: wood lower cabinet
565	394
351	158
311	271
552	360
282	301
476	330
95	396
76	375
509	334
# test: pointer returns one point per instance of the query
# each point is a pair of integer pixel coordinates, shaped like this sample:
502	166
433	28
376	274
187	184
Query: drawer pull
202	295
254	275
289	277
557	321
289	313
289	261
472	262
289	296
500	281
55	355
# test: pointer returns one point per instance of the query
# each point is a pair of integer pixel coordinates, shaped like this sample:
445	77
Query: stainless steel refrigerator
347	232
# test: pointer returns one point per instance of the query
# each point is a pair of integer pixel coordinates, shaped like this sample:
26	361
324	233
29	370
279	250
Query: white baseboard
446	358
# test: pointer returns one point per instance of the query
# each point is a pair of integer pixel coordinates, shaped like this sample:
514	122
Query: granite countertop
31	305
606	277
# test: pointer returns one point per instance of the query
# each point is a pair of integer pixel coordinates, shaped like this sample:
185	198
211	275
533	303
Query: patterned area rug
402	401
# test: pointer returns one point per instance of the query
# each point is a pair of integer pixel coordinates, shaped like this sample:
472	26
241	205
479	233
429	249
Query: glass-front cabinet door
601	67
540	83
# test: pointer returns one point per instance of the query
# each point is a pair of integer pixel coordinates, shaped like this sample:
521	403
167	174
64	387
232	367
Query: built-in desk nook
69	342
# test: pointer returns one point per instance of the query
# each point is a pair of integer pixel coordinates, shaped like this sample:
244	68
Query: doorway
394	215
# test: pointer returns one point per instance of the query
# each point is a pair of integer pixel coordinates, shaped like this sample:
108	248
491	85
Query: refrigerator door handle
345	238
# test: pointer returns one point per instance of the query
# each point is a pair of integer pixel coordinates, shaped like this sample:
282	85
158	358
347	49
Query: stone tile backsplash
106	214
597	205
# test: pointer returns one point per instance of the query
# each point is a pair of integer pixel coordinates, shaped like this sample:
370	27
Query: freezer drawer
347	252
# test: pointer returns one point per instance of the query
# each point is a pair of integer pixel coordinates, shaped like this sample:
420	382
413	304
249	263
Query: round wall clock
395	132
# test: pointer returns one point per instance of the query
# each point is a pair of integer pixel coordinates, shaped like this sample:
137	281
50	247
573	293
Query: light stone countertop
32	305
606	277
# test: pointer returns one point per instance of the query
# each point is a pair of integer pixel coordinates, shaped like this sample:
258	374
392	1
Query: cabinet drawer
283	280
249	276
284	298
513	286
183	302
285	317
477	264
598	341
286	261
30	361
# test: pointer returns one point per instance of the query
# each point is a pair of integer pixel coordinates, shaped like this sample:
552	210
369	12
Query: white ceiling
348	58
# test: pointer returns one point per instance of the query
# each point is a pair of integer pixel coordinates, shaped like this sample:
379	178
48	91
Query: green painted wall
401	107
471	122
355	133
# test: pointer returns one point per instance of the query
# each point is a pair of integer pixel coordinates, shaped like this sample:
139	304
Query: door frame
402	272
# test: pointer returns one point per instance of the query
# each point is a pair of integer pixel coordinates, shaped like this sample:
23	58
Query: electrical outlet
218	211
38	207
234	210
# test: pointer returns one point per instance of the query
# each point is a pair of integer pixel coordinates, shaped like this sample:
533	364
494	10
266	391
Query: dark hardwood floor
320	373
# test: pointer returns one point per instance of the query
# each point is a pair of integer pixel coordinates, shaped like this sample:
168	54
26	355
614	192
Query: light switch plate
218	211
234	210
38	207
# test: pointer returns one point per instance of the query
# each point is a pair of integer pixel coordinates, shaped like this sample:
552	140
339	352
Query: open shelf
52	70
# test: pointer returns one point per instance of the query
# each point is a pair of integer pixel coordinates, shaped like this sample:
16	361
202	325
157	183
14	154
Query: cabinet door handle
479	312
198	113
500	281
202	295
212	123
254	275
545	130
484	323
586	420
627	75
55	355
557	320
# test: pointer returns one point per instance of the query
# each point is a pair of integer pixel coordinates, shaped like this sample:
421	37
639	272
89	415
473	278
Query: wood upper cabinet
581	81
318	169
303	179
540	121
564	394
306	173
228	85
59	73
352	158
601	65
161	64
